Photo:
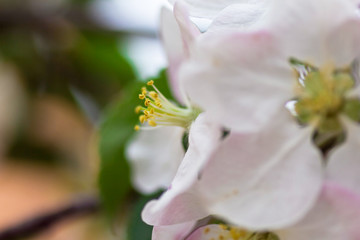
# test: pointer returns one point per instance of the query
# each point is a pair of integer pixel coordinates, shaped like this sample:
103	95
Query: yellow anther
157	110
158	103
137	128
152	123
237	234
154	95
138	109
142	119
142	96
147	102
223	226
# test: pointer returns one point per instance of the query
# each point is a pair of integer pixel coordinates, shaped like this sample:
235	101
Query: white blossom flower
268	172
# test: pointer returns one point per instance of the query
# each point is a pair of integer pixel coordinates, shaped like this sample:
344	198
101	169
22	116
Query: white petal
238	17
343	42
181	203
264	180
188	30
316	32
208	8
335	216
239	79
344	162
154	156
177	35
173	232
173	44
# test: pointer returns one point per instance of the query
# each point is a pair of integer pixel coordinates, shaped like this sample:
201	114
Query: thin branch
43	222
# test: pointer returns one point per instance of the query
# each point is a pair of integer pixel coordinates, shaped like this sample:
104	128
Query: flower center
226	232
158	110
321	95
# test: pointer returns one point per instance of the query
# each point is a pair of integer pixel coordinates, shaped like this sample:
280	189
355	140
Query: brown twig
43	222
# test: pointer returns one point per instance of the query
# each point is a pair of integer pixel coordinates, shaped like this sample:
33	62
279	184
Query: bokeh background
70	71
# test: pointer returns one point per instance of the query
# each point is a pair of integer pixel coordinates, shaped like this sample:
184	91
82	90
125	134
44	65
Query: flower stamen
225	232
158	110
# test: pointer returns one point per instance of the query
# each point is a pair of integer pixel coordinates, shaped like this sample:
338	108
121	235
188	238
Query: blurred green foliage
115	131
91	63
137	229
58	48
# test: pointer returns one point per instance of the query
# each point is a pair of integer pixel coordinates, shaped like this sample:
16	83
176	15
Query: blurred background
70	71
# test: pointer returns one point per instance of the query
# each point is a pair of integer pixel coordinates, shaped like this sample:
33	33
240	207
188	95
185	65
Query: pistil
321	96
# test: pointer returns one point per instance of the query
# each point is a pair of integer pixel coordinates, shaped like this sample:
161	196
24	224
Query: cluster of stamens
321	94
158	110
322	98
235	233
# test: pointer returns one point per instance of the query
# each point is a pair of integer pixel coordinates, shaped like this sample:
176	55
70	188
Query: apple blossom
268	172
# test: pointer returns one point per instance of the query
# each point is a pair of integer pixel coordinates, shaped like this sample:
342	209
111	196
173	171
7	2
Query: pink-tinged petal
174	207
344	161
239	79
335	216
264	180
177	33
238	17
155	156
314	31
173	232
208	8
181	203
189	31
209	232
346	205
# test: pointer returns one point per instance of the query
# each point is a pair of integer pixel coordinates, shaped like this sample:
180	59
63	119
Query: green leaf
115	131
98	55
137	229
